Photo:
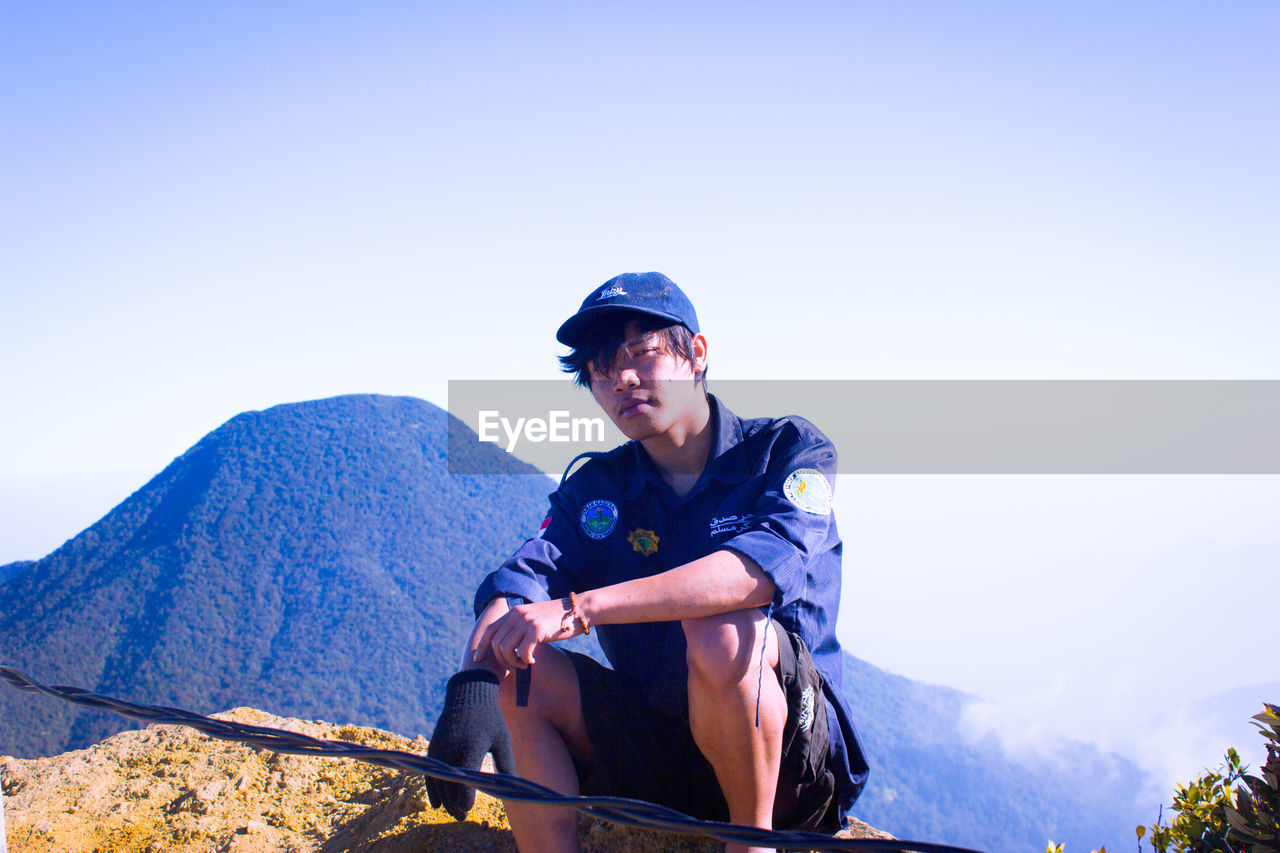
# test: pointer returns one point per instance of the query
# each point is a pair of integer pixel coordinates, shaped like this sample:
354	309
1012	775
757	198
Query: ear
699	353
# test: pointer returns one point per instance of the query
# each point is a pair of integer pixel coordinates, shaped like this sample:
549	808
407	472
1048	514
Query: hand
470	725
512	639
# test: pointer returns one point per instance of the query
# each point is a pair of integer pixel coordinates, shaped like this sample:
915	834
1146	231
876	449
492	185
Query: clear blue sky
220	207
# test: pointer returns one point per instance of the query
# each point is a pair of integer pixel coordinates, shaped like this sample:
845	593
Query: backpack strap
589	454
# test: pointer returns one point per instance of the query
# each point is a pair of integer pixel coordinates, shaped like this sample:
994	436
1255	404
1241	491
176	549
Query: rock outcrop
170	788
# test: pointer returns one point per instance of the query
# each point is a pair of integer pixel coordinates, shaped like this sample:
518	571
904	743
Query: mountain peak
315	557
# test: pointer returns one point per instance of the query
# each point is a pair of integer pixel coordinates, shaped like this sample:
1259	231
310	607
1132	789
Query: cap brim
571	331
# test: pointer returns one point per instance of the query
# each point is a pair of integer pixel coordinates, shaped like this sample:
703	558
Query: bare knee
721	648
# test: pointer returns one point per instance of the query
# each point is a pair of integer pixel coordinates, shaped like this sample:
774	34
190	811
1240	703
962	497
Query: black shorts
646	755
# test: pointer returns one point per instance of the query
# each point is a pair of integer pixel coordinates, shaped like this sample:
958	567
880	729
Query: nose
626	378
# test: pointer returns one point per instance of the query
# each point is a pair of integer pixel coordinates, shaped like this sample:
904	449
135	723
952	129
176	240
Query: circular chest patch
809	490
599	518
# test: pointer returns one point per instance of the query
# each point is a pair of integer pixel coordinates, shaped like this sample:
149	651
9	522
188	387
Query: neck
681	452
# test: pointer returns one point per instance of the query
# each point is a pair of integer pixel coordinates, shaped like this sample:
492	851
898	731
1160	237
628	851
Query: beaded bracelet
577	614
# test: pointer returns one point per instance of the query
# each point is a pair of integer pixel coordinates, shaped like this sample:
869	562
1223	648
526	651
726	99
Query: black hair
602	343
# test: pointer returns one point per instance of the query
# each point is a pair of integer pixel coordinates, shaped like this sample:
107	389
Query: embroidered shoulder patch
809	490
599	518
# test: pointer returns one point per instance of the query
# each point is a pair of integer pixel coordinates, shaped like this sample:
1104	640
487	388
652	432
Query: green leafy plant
1254	818
1210	816
1199	824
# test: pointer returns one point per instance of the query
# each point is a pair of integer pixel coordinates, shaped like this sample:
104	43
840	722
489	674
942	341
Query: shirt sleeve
792	521
542	567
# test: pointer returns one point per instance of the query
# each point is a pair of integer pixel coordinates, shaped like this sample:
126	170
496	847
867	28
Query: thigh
554	696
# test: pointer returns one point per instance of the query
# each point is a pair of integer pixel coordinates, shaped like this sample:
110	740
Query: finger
521	640
458	800
433	793
486	639
504	650
505	646
524	644
438	794
503	758
494	647
526	648
482	655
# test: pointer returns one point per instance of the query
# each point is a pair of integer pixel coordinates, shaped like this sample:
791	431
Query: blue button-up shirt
765	493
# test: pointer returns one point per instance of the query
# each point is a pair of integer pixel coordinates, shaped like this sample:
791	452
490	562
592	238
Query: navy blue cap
649	293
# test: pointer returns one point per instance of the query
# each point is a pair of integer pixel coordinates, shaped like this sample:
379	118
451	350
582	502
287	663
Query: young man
704	553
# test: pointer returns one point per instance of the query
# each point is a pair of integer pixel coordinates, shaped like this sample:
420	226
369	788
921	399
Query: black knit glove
469	726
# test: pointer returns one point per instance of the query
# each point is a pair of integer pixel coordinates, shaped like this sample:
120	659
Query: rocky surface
170	788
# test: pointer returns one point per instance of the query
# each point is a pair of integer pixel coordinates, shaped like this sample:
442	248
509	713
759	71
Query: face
650	389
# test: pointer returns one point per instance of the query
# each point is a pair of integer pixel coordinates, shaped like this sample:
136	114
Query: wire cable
633	813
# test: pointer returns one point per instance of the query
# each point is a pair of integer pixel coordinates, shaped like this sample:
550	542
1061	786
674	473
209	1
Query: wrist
577	619
585	604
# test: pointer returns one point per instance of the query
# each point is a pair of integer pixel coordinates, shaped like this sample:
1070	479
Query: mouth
632	406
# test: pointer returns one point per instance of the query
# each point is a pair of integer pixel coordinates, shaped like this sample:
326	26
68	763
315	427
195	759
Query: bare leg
545	737
724	671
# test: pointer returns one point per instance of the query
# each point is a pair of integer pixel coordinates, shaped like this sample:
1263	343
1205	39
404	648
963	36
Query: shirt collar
727	462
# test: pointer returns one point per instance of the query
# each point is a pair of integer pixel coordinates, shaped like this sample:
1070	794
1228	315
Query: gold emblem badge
644	541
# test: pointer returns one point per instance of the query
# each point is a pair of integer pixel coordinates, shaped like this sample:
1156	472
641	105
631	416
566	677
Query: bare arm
720	582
